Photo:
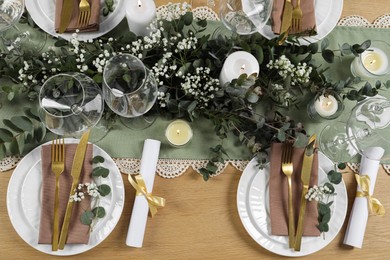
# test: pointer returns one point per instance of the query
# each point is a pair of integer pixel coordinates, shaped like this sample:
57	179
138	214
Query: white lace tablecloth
172	168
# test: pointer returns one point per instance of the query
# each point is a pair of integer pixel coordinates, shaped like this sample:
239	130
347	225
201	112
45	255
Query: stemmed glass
130	90
70	104
367	127
11	36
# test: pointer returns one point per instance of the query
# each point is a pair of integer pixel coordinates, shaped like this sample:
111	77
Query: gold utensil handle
55	221
298	238
65	225
291	220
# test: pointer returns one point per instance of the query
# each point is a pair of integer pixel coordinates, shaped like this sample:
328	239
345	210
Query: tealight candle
326	106
372	62
178	132
238	63
139	14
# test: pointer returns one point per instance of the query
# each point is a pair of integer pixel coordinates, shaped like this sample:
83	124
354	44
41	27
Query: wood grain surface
200	220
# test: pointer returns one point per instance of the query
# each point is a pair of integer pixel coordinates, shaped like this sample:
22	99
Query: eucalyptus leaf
104	189
97	159
22	122
3	151
100	172
12	126
335	176
99	212
87	217
6	135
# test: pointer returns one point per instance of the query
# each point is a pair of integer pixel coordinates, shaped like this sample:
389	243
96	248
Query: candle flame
242	69
372	62
139	3
178	131
328	103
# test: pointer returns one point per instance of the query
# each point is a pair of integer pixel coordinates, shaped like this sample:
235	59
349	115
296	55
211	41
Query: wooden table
201	220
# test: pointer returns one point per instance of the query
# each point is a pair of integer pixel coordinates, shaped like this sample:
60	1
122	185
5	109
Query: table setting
209	129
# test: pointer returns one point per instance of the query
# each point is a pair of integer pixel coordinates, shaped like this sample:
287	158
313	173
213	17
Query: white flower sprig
90	189
318	193
300	74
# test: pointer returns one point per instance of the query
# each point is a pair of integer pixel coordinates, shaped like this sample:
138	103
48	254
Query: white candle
238	63
326	106
178	132
372	62
139	14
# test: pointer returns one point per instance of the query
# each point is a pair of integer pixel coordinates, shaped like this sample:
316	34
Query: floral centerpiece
186	56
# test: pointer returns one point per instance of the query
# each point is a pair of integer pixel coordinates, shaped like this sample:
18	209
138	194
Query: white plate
42	12
327	12
253	208
24	202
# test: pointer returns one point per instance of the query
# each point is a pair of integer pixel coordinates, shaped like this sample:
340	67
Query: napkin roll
356	228
93	24
139	215
78	232
308	18
278	193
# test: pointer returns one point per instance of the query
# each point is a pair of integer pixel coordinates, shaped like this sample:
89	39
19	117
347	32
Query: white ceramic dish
253	208
42	12
327	12
24	202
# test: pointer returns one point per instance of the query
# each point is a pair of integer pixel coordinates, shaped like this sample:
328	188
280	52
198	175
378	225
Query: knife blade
305	179
66	15
286	20
77	165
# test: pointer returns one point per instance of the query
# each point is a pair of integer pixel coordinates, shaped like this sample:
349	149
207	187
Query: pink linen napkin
93	24
278	193
308	18
78	232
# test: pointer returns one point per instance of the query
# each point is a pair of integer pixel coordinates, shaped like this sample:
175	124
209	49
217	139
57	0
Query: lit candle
178	132
326	106
238	63
372	62
139	14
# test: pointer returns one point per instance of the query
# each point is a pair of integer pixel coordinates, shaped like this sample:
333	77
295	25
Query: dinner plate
253	208
42	12
24	202
327	12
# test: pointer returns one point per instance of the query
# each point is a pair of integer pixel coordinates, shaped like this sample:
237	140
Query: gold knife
77	165
286	20
66	15
305	178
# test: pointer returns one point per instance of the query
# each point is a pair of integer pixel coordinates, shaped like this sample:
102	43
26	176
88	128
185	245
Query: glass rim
146	70
17	17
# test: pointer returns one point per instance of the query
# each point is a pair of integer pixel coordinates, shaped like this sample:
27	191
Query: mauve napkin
93	24
308	18
78	232
278	193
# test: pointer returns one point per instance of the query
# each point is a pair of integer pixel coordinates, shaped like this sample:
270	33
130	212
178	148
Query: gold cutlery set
84	14
295	239
291	19
58	166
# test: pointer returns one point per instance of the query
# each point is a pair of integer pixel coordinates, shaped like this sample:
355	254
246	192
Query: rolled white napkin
358	219
139	216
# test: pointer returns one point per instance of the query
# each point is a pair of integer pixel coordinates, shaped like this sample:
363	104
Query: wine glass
70	104
130	90
367	127
245	16
12	38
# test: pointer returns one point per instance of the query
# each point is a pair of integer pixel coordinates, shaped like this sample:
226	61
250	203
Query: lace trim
8	163
202	12
357	20
172	168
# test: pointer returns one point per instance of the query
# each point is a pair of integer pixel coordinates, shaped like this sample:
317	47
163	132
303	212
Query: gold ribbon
139	185
374	205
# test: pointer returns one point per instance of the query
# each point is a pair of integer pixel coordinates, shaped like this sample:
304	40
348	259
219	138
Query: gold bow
374	205
139	185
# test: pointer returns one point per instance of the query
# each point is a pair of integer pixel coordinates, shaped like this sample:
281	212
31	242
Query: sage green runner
124	142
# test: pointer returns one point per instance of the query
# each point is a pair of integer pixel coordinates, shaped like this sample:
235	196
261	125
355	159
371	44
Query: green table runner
123	142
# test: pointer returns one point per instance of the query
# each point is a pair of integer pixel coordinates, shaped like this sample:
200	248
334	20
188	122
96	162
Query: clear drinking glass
10	13
70	104
246	16
130	90
367	127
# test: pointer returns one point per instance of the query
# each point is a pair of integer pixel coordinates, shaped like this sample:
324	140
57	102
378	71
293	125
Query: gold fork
287	169
296	22
85	13
57	167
